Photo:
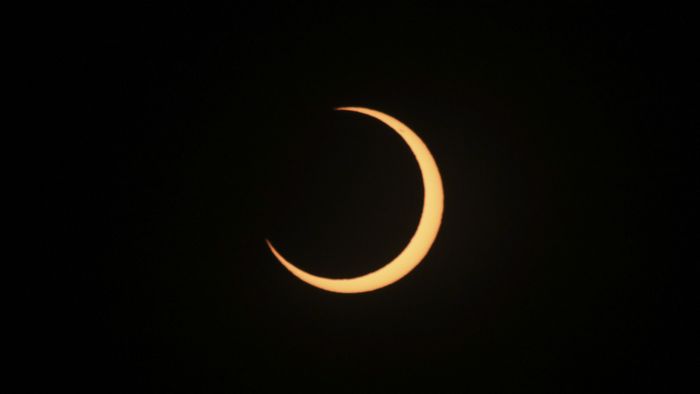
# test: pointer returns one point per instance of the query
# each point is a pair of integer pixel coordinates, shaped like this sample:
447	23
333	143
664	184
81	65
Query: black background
560	135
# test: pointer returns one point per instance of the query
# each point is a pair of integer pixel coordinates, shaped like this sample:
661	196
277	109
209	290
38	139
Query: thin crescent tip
269	246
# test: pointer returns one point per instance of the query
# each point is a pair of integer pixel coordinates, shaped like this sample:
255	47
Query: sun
423	238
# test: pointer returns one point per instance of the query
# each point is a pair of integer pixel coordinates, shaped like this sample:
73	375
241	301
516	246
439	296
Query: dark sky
560	135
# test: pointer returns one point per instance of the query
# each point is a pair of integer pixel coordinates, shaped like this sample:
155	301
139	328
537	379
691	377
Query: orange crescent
419	245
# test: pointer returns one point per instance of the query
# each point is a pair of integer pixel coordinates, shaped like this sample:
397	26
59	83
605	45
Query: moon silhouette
419	245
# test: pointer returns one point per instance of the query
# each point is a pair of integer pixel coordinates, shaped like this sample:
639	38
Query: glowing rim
423	238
